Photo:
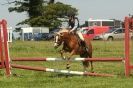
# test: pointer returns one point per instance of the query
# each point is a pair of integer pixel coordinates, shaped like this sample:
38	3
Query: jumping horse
71	44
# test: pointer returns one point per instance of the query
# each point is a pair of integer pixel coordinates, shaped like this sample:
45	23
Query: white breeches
80	36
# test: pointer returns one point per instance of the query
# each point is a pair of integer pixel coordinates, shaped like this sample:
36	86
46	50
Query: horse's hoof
92	71
67	75
64	58
85	71
67	67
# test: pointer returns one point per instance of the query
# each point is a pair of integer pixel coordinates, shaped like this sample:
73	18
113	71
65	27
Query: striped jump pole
60	71
76	59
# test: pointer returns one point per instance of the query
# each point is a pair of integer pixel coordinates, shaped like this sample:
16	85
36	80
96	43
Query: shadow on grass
60	75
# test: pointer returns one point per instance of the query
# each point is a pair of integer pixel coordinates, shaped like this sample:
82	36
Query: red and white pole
6	50
127	46
60	71
1	48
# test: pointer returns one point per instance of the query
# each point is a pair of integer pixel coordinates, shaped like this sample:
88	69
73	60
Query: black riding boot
84	45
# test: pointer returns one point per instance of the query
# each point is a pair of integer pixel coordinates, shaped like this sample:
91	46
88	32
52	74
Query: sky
95	9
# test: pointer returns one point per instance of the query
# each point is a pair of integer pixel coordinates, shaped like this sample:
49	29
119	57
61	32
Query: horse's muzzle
56	45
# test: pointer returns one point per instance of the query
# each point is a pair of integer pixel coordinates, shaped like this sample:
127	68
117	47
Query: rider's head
71	16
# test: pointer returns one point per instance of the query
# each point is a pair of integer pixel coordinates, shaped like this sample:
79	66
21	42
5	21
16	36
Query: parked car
40	36
113	34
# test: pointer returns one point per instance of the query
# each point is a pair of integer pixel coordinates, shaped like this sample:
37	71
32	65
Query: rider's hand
70	31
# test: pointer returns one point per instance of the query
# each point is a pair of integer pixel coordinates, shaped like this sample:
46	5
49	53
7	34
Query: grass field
34	79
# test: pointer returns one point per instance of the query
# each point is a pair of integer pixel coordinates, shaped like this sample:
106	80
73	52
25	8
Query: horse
71	44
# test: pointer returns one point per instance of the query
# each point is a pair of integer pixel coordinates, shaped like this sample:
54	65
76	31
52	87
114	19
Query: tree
32	7
40	14
53	15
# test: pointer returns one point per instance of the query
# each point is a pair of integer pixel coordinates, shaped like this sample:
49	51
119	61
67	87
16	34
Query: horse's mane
64	30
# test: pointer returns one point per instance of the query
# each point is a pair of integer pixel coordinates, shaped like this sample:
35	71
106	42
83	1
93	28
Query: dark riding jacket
73	24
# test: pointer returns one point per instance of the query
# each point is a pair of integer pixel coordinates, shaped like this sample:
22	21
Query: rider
73	23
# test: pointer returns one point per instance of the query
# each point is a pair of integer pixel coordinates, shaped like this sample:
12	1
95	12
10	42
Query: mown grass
34	79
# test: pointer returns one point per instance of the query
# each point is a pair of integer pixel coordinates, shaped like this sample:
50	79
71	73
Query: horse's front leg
69	58
68	61
63	51
62	54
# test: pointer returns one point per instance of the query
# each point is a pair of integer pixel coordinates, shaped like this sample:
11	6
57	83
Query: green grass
34	79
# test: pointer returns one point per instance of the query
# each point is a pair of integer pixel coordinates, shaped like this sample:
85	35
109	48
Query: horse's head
58	38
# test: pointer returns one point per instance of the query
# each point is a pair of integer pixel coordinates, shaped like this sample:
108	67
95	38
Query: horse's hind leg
86	65
89	53
91	62
91	66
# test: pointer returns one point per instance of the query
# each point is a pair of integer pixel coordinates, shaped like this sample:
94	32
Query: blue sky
95	9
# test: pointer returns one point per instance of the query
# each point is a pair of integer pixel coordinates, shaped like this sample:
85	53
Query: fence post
127	46
5	46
